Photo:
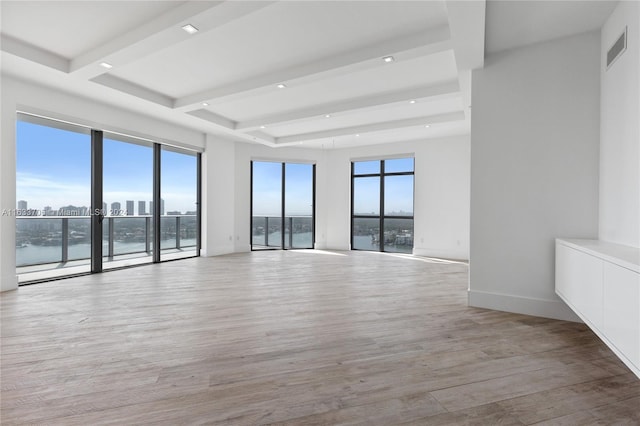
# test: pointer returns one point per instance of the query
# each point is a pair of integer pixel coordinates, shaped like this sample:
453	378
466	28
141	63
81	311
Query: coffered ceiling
282	73
279	73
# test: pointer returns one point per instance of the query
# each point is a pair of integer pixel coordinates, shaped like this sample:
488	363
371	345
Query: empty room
320	212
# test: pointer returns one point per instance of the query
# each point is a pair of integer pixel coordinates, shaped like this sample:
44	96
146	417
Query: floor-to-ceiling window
382	205
127	180
85	200
282	205
178	203
53	193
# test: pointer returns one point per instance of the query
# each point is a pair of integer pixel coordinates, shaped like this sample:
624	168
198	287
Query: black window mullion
97	212
353	216
399	174
282	203
313	209
381	238
364	175
157	155
198	203
251	206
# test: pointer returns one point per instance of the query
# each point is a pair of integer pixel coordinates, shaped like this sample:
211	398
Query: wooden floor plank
293	338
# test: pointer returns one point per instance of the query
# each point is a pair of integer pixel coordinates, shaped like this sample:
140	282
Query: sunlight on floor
332	253
423	259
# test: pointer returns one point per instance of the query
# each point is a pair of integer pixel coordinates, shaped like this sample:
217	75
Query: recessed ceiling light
357	136
263	127
388	59
426	126
106	65
413	101
327	115
205	104
281	86
190	29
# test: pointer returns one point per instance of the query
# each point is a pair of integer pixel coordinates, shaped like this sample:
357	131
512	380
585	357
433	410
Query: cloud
43	190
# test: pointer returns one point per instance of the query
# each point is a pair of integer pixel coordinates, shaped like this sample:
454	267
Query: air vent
617	49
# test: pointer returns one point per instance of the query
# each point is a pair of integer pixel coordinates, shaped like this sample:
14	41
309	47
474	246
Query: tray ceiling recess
319	74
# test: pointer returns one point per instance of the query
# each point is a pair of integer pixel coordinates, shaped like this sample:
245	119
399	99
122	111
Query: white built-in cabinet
600	281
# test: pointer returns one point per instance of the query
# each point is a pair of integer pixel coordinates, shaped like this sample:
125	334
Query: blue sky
267	189
267	182
54	169
398	189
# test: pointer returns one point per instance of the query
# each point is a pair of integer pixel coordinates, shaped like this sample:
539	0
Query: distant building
48	211
129	207
174	213
142	208
161	207
22	205
115	209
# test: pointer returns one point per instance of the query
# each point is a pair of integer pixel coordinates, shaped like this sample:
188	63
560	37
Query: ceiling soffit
277	73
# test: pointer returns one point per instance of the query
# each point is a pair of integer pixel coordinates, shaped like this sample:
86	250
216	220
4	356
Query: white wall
29	97
534	170
8	279
441	195
620	130
218	197
441	201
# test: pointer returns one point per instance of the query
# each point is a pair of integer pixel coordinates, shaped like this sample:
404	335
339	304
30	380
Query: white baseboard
440	254
9	283
555	309
217	251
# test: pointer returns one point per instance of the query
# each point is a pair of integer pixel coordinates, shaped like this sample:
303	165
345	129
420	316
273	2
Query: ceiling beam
224	125
133	89
467	21
160	33
449	88
33	53
374	127
415	45
213	118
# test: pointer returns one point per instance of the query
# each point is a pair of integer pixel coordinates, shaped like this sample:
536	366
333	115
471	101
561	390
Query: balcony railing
61	239
267	231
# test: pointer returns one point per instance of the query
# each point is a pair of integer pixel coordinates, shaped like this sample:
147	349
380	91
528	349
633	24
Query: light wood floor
300	338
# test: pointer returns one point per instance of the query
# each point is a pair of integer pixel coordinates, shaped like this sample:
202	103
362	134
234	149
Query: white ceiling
328	54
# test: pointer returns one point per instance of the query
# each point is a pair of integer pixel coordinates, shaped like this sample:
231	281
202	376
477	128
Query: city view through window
382	205
53	189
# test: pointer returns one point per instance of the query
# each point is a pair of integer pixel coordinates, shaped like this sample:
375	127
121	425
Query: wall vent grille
617	49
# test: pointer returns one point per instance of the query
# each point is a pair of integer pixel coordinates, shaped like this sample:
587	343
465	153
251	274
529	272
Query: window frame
97	225
381	216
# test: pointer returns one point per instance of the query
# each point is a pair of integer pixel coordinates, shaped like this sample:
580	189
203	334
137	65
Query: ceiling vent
617	49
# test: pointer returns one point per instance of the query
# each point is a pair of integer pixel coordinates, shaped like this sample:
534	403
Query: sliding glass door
53	192
282	205
127	182
298	205
266	205
89	200
178	207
